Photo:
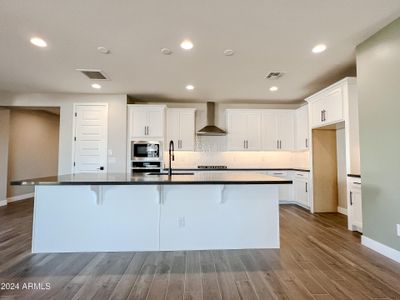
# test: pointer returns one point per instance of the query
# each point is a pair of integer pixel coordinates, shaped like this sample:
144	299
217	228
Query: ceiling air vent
93	74
274	75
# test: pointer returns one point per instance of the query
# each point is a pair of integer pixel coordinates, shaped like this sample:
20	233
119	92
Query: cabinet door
173	127
155	116
356	207
301	128
269	131
317	108
253	131
301	192
137	121
285	126
333	103
237	129
285	190
186	130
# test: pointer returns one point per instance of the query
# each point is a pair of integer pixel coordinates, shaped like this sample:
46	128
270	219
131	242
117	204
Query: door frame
75	105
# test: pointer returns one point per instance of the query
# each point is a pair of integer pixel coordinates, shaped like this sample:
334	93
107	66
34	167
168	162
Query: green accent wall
378	78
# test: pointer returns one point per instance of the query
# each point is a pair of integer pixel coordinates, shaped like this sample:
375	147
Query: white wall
116	125
4	139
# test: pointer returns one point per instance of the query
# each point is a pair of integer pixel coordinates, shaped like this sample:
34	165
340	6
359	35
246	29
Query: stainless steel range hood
210	129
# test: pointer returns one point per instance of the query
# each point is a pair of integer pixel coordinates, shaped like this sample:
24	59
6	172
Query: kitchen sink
166	173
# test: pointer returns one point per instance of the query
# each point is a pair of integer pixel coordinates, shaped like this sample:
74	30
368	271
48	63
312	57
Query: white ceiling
267	35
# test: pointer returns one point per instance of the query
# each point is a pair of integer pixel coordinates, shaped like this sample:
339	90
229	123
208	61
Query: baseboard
20	197
3	202
342	210
287	202
381	248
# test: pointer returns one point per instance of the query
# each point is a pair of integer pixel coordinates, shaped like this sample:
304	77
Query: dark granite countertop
125	179
241	169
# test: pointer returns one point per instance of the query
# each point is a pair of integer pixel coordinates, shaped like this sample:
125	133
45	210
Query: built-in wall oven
146	156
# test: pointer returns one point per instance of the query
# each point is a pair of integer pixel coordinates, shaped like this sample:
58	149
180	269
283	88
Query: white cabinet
354	204
146	121
278	130
244	130
181	128
327	107
301	128
285	190
301	188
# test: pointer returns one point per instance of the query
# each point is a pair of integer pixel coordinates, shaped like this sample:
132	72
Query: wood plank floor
318	259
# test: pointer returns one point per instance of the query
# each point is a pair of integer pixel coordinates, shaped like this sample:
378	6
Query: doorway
30	144
329	169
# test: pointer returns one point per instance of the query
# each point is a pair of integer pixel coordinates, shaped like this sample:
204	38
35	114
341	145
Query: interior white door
90	139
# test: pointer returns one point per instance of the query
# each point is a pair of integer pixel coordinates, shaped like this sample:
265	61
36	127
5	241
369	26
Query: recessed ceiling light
96	86
187	44
166	51
38	42
190	87
229	52
273	88
103	50
319	48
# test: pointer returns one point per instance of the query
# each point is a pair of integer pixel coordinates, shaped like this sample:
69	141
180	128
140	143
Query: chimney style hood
210	129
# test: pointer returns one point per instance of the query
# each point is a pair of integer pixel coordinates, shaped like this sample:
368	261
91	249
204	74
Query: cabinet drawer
301	175
278	173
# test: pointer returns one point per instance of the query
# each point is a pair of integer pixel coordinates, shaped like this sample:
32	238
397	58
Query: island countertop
127	179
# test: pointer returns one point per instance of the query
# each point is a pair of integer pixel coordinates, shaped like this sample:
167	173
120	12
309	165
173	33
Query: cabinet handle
357	182
306	143
180	147
145	130
244	144
247	144
306	187
277	144
322	113
351	198
280	144
148	129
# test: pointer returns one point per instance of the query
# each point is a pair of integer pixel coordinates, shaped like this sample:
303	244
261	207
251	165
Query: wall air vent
274	75
93	74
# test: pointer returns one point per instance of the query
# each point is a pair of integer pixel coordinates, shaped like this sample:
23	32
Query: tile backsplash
241	159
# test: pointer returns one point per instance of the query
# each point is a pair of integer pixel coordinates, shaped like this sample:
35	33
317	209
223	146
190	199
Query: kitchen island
120	212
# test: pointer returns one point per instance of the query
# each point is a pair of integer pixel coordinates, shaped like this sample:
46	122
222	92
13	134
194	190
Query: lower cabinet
285	190
354	204
300	192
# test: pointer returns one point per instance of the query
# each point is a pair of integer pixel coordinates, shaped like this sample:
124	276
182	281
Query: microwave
146	150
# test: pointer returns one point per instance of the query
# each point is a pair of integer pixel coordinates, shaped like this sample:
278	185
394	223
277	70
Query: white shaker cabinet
301	188
301	128
146	121
181	128
354	204
327	107
278	130
244	130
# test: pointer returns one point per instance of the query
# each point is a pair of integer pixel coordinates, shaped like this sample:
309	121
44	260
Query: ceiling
266	35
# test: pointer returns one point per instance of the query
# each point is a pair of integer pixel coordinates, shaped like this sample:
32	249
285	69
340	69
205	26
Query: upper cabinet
301	128
327	107
277	130
146	121
244	129
260	129
181	128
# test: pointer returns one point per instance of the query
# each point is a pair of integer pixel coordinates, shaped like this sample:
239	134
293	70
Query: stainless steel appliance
146	151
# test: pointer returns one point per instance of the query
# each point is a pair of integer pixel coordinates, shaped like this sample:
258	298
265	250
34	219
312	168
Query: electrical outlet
398	229
181	222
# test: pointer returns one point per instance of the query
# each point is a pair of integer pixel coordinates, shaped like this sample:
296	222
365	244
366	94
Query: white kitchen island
117	212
